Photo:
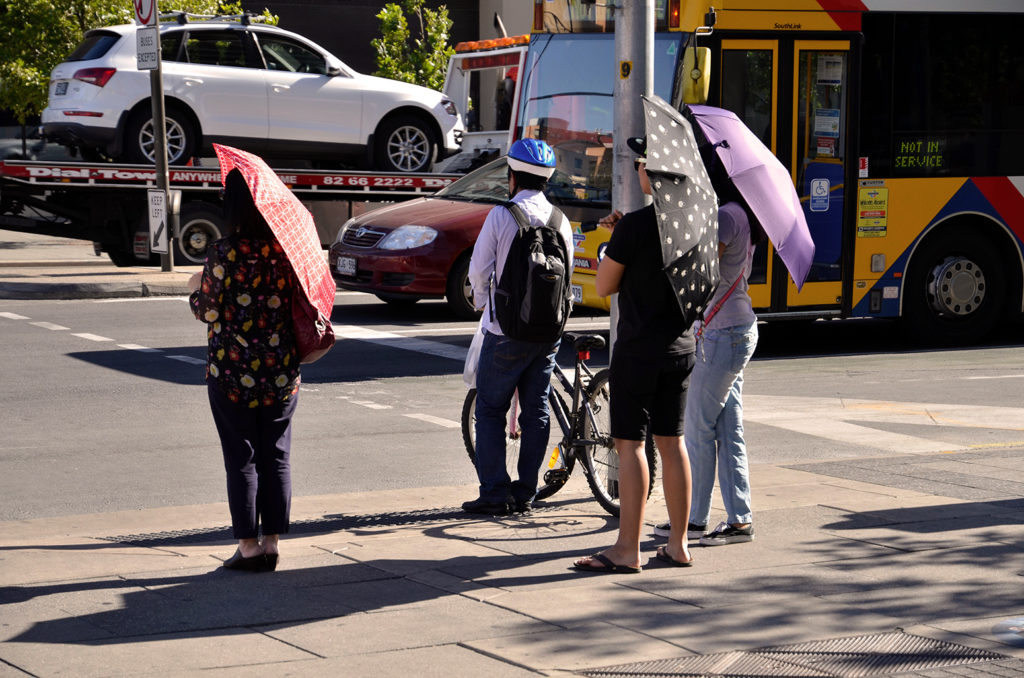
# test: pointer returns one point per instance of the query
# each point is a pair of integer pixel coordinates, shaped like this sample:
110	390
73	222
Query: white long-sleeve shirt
492	245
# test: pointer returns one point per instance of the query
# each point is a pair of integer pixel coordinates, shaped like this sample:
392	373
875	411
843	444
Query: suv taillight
95	76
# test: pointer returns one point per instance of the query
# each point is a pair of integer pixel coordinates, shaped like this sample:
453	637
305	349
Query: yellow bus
901	122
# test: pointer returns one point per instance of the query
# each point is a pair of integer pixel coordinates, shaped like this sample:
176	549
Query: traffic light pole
634	54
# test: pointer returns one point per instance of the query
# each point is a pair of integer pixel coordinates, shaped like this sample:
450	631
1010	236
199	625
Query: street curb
106	290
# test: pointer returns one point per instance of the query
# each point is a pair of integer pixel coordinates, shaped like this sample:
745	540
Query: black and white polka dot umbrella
686	207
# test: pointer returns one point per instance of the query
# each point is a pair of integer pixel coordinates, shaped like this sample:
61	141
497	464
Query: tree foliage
422	60
38	36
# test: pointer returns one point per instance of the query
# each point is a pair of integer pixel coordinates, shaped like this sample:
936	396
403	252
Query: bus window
820	154
747	91
566	99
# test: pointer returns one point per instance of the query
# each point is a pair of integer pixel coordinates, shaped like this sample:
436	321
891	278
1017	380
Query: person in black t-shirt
650	370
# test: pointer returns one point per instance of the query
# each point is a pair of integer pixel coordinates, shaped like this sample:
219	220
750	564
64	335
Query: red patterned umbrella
291	222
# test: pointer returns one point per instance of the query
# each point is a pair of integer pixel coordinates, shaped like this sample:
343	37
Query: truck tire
459	293
405	143
139	137
955	291
120	257
200	225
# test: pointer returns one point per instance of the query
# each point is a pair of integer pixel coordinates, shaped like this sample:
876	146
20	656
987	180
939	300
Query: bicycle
585	430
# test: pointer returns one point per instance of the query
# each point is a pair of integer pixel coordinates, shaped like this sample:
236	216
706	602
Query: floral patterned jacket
246	300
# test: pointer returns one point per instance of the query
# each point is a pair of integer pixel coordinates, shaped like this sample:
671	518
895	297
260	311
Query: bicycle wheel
555	470
602	461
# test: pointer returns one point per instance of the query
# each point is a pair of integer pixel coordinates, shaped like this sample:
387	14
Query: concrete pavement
902	565
844	578
41	267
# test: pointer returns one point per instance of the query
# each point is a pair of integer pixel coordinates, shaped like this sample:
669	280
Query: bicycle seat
585	342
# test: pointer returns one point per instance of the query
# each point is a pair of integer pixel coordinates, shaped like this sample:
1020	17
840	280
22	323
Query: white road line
187	359
1001	376
49	326
850	421
91	337
141	349
393	340
370	404
430	419
13	316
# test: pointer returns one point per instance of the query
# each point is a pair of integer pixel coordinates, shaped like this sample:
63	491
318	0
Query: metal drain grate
883	654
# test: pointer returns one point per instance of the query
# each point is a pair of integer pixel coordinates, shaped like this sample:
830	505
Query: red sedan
420	249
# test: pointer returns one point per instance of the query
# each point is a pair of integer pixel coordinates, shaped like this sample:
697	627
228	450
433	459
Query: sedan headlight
407	237
449	107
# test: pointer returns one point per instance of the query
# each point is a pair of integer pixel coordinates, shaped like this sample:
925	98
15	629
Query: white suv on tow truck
249	85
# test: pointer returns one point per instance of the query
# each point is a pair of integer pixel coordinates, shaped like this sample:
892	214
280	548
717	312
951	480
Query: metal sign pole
634	53
148	42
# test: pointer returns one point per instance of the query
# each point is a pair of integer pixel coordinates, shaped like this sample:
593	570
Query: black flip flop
663	556
607	566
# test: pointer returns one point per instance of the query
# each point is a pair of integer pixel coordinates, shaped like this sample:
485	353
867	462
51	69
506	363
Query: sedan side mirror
333	71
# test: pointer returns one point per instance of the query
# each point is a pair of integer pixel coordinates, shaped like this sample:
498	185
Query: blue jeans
713	425
505	365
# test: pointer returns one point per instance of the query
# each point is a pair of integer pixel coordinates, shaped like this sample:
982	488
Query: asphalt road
105	408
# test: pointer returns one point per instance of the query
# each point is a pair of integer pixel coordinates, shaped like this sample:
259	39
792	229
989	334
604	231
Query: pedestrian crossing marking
833	419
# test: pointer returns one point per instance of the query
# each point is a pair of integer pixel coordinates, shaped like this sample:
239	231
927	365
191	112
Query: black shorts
649	393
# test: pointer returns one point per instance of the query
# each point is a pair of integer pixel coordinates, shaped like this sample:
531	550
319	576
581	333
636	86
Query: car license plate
61	89
345	266
577	294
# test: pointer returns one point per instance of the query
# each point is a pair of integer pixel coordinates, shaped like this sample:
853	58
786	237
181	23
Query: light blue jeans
713	424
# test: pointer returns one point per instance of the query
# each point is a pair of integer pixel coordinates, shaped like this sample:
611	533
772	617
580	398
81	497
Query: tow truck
107	203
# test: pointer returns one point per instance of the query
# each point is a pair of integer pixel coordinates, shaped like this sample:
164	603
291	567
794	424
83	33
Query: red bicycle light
584	355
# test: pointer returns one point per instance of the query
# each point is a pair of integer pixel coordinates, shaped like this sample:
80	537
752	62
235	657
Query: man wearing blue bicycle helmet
508	364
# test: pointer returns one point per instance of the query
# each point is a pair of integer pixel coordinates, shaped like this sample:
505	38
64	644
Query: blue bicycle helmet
532	156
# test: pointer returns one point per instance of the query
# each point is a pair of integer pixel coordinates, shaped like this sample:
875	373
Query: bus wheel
955	291
201	224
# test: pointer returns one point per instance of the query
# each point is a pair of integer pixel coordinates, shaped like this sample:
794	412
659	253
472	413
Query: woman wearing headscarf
244	295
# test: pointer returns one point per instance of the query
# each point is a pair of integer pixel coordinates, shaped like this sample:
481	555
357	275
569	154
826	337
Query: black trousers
256	443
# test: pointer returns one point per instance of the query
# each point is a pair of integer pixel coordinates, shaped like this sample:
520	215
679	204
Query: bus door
793	94
820	120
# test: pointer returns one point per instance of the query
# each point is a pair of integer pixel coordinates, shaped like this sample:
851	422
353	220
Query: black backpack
534	296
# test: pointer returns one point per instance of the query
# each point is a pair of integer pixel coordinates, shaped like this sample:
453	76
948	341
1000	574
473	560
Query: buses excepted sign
147	43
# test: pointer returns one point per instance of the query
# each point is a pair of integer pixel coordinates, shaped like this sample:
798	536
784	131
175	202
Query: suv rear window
94	46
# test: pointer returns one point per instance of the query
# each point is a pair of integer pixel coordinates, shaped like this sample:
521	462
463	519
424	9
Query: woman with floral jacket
244	295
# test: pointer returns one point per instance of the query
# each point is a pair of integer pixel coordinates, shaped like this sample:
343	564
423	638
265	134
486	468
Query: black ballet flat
250	564
271	561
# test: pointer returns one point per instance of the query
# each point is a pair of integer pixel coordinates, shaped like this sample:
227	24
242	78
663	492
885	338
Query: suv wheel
140	138
405	144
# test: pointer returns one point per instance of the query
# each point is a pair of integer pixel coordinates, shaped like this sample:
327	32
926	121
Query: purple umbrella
763	182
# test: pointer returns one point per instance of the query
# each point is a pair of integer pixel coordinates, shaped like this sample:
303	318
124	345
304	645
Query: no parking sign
145	12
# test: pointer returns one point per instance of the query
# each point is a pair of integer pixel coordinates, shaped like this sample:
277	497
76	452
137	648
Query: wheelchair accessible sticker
819	195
